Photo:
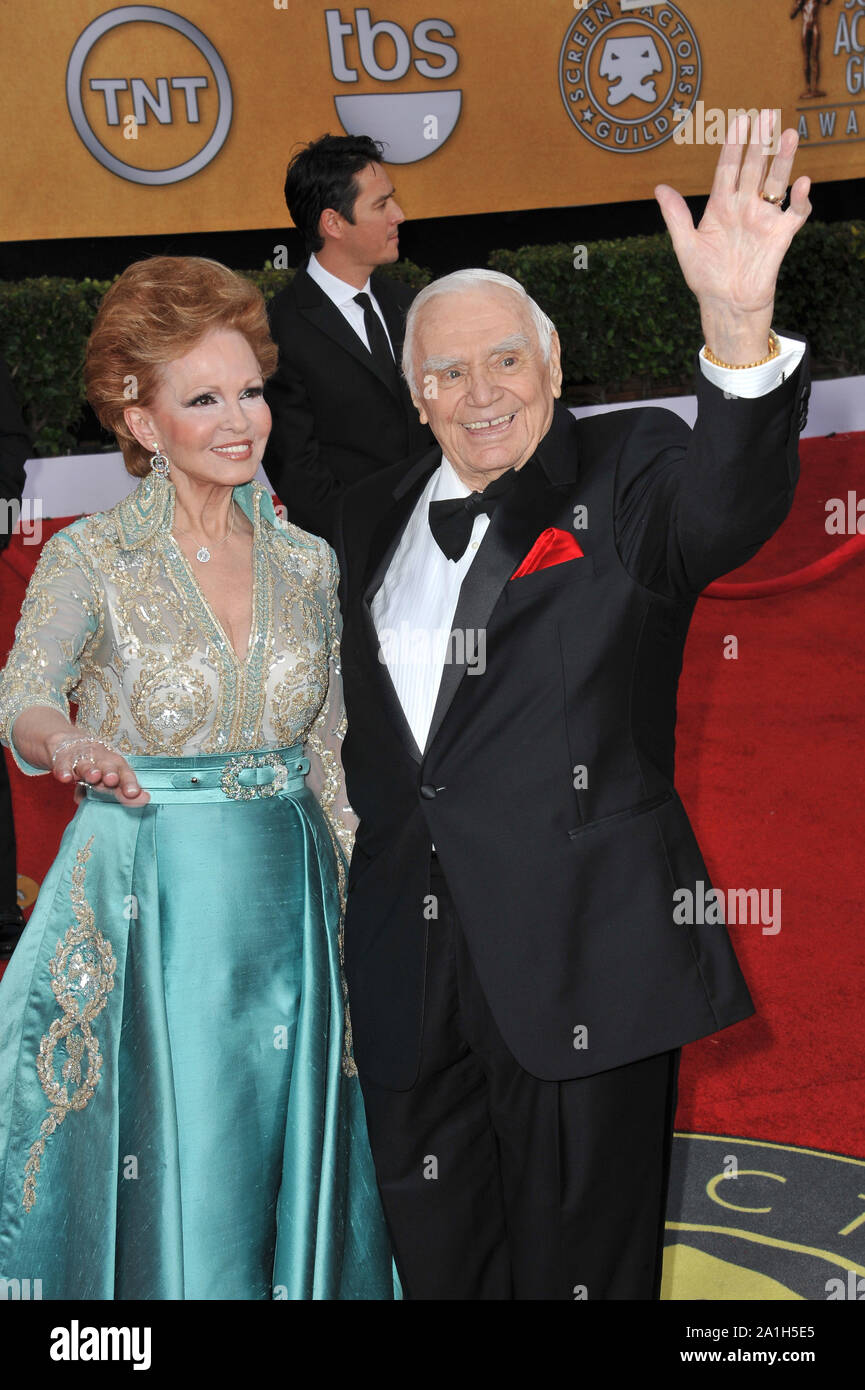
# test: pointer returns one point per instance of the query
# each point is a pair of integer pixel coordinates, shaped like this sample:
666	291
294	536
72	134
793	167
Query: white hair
460	281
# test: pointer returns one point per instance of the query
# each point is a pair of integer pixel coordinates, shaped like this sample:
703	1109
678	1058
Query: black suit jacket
335	418
565	892
14	448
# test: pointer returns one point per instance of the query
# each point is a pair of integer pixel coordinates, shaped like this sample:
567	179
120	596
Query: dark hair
323	175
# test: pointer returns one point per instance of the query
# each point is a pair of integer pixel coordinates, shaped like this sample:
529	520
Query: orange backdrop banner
139	119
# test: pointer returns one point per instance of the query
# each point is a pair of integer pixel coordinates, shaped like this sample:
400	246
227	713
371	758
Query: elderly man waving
519	986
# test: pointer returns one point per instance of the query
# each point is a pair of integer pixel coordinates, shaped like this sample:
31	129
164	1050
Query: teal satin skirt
177	1115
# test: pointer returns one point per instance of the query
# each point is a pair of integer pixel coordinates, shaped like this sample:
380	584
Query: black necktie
451	521
379	346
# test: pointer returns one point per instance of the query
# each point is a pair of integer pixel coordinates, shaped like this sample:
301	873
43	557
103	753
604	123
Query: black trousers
497	1185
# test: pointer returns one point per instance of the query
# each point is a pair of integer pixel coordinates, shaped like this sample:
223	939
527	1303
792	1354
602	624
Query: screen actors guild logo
178	124
629	64
628	79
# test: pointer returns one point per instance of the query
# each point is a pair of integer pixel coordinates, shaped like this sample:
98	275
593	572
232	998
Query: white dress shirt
414	609
342	295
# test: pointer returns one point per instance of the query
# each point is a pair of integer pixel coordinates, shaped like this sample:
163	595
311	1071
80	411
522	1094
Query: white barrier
79	483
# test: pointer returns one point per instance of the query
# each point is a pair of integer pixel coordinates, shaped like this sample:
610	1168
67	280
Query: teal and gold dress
180	1116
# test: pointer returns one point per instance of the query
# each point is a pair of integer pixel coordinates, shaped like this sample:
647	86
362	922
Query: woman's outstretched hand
97	765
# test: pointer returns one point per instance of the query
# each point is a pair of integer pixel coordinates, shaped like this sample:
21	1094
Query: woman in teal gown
180	1115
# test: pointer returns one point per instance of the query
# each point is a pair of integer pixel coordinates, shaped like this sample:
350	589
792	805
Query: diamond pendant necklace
203	553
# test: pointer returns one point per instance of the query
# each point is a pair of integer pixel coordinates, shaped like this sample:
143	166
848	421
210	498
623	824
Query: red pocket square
552	547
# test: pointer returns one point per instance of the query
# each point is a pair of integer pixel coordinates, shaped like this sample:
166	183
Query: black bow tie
451	521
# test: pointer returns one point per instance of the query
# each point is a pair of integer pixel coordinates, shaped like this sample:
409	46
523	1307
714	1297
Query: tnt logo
148	94
410	124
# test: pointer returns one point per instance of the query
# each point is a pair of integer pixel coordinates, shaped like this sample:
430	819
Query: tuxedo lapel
519	519
321	311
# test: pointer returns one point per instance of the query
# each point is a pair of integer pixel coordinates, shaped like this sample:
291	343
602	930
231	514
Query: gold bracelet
774	351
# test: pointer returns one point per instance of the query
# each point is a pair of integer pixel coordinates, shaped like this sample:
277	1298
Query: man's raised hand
731	260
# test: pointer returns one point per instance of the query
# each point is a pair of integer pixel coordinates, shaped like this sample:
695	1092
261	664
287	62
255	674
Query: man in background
341	409
14	449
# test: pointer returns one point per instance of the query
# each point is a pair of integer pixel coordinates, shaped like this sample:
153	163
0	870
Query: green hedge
44	325
628	323
627	318
821	294
269	281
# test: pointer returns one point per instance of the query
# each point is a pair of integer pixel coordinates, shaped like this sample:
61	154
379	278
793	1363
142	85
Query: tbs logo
142	127
410	125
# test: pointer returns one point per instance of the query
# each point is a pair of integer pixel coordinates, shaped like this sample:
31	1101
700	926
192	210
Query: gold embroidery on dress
82	977
39	649
103	718
322	742
116	622
325	736
170	703
299	696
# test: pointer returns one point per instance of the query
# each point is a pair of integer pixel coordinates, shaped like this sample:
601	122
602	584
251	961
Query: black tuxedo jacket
565	892
335	418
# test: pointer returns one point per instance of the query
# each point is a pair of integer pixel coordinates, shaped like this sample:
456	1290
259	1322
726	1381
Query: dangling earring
160	463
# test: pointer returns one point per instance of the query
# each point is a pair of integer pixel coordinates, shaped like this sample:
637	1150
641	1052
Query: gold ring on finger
776	199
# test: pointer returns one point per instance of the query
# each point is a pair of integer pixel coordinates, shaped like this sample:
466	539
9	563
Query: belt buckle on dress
234	789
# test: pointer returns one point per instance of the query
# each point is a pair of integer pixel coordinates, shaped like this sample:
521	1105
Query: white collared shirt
414	609
342	295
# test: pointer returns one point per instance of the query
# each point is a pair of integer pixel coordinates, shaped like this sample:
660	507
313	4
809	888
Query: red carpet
772	770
